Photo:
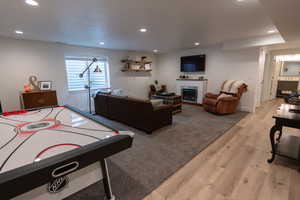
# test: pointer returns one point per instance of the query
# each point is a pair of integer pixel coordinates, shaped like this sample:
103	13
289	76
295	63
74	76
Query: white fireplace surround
200	84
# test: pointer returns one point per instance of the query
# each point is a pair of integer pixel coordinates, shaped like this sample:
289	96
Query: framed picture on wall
45	85
290	68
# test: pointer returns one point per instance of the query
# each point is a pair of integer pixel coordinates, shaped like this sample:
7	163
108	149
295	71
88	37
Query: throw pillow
223	96
118	92
156	102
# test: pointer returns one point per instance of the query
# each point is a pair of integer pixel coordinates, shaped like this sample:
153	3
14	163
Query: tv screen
193	63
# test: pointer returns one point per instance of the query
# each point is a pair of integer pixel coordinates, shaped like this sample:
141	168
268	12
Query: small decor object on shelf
33	83
133	65
143	63
45	85
127	62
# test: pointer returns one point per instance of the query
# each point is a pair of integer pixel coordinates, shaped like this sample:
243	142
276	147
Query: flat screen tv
193	63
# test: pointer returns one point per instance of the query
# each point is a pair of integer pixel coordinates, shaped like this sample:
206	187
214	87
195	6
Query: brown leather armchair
225	104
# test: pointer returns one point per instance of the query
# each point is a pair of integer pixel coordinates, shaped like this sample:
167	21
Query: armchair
227	100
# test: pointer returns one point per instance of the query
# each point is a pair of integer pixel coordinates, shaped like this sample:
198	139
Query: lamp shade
97	69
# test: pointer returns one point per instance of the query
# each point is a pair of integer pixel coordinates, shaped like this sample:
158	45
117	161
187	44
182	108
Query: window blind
75	66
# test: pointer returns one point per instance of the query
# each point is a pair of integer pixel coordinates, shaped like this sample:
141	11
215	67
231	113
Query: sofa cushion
128	109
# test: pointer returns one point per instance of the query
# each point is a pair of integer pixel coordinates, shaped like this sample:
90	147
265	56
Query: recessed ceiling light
143	30
271	31
19	32
240	0
101	43
197	43
155	50
32	2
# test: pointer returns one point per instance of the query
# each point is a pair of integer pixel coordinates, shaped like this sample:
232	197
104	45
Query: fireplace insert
189	94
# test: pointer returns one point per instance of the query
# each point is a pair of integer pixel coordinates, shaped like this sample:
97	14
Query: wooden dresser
39	99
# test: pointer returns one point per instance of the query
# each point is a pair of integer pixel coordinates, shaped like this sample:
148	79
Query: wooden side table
175	101
286	146
39	99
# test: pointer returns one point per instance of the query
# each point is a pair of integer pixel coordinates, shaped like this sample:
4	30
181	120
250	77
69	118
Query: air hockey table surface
45	145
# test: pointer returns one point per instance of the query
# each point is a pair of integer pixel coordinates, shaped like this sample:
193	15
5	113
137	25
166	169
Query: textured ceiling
171	24
285	14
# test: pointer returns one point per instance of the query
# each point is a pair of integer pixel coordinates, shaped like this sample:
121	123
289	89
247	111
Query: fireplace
189	93
191	90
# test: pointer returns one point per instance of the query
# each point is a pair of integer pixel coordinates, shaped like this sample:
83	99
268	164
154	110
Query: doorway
281	76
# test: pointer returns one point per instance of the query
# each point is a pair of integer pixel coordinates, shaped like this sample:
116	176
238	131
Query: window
76	66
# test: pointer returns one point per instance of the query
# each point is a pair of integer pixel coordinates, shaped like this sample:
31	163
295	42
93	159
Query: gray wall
20	59
239	64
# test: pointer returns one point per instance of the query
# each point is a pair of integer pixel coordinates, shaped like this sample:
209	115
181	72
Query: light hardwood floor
235	167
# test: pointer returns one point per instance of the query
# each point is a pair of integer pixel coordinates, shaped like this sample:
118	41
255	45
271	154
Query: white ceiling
171	24
286	16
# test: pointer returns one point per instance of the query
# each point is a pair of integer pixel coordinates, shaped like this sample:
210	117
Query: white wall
242	64
267	80
20	59
259	89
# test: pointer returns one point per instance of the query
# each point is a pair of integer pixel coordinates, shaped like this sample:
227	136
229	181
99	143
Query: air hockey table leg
106	181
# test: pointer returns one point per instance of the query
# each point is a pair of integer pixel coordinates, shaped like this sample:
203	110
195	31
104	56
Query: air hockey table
51	153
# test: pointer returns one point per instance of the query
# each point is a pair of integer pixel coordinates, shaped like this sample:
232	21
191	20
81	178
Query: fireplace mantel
199	85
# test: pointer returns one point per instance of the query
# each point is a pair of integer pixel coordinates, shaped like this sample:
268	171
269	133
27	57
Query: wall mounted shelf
136	70
136	66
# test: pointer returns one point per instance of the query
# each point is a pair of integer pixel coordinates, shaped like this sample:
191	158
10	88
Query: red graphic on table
31	136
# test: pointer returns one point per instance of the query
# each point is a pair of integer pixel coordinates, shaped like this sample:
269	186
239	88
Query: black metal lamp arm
89	81
87	68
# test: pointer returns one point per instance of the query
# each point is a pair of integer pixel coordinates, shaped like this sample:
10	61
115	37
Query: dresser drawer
39	99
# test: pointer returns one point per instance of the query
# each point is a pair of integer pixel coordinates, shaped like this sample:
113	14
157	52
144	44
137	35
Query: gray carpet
153	158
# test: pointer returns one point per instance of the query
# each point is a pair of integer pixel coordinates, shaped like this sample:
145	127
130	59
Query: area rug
135	173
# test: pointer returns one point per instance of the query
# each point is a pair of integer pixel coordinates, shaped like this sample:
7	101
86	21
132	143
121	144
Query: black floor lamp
88	86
